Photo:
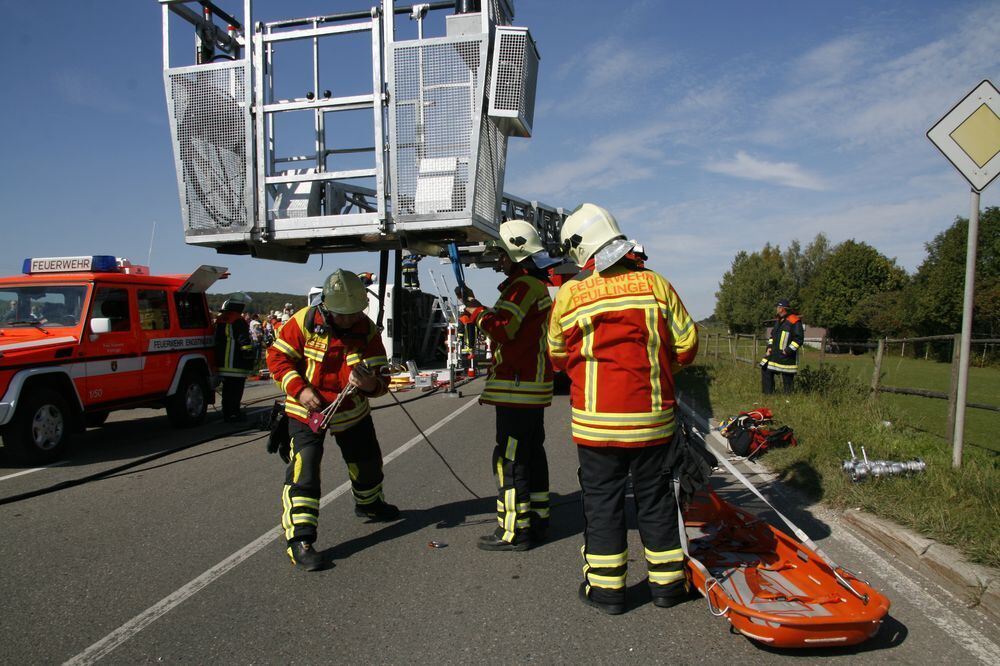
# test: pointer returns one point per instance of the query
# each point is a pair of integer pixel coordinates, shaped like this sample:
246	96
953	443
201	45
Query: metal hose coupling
859	470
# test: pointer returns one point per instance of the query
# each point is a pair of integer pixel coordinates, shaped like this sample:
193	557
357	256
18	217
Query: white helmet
344	293
591	231
520	240
236	302
315	296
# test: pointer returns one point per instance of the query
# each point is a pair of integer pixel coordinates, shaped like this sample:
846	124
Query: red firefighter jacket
617	334
319	357
521	375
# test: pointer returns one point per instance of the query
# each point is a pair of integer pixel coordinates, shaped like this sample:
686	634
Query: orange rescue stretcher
772	588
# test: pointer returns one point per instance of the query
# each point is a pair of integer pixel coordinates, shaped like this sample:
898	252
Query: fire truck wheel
189	405
40	428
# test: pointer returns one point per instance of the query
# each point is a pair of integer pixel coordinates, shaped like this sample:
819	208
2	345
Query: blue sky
706	128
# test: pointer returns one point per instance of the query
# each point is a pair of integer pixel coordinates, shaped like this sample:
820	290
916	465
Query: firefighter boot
377	511
609	608
522	541
304	556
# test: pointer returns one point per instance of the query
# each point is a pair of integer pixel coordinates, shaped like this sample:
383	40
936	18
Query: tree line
857	293
263	302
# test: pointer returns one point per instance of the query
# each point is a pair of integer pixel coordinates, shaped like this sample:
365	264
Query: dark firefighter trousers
232	396
767	381
604	473
301	493
521	470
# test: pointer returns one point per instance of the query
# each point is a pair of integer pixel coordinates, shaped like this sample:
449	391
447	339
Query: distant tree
749	289
262	301
802	264
939	283
847	287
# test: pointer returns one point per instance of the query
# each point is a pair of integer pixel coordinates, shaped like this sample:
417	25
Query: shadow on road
567	521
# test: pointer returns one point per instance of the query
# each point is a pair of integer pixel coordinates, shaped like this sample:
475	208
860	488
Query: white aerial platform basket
439	108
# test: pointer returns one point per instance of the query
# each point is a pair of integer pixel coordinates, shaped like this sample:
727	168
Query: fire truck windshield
41	306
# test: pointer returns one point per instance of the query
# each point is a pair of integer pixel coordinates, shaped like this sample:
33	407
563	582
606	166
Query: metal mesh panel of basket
510	74
210	130
436	86
490	170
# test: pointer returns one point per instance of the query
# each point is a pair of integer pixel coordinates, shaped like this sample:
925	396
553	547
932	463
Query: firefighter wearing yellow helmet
519	386
618	329
320	352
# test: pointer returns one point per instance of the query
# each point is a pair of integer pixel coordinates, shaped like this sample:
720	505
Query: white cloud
787	174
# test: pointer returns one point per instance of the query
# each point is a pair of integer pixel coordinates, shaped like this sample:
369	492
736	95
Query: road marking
123	633
964	634
29	471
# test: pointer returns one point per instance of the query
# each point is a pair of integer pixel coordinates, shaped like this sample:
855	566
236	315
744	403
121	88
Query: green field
958	507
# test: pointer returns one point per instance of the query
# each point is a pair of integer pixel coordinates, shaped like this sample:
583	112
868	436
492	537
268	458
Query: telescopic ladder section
413	156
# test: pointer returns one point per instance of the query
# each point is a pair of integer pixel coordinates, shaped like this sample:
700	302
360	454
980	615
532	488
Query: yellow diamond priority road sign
969	135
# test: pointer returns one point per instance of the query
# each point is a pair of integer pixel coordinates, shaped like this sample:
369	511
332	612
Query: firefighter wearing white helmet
321	351
619	330
234	354
519	386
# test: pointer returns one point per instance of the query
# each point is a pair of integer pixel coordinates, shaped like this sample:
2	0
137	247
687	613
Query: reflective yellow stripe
372	361
286	380
297	468
286	512
606	582
630	435
664	556
783	341
781	367
607	561
304	519
655	418
511	308
286	349
306	502
353	359
653	353
509	514
794	345
540	497
608	305
590	367
511	448
296	409
519	386
535	400
665	577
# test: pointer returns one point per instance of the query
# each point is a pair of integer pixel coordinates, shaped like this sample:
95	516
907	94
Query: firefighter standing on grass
519	386
620	331
234	354
781	356
320	352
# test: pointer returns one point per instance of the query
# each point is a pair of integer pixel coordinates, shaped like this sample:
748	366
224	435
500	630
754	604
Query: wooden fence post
754	357
822	349
877	376
953	391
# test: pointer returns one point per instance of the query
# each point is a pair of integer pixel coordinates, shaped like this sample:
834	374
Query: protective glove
690	463
279	441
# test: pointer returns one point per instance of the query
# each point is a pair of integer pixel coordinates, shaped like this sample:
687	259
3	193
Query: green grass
957	507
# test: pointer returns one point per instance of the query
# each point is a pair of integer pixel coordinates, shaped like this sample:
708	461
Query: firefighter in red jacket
620	332
781	356
234	354
519	386
317	354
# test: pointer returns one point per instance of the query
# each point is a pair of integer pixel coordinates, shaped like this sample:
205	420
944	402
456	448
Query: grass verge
957	507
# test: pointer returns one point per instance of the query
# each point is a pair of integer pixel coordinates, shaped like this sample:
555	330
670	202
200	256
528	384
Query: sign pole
963	362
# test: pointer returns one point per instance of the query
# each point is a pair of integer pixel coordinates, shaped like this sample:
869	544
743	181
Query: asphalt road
132	552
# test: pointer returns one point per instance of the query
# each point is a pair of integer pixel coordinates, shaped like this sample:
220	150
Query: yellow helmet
591	230
344	293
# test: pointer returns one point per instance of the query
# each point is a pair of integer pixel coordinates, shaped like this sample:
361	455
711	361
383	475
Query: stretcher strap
753	579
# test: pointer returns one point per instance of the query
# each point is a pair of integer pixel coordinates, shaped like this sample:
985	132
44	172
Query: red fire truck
83	336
